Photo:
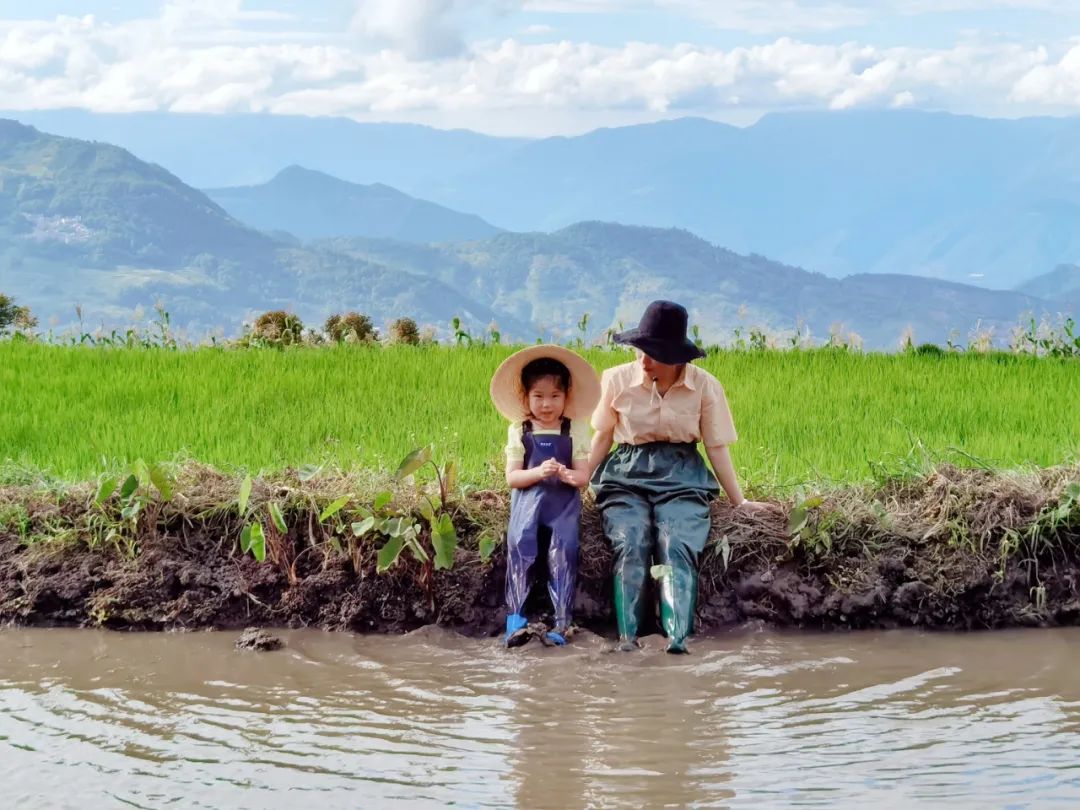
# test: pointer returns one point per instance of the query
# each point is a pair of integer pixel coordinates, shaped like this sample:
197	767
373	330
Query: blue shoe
557	639
515	623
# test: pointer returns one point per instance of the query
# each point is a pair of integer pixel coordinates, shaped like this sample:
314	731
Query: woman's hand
575	478
753	506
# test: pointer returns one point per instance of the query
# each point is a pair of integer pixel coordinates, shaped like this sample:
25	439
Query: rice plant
817	417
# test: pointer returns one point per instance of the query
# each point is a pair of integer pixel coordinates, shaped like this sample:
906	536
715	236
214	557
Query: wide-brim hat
661	334
508	393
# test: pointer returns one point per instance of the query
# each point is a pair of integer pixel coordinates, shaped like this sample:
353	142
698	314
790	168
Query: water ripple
750	720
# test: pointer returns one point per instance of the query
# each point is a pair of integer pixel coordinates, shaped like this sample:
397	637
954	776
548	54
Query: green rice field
820	416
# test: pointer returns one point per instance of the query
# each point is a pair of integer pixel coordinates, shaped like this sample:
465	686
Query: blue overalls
552	506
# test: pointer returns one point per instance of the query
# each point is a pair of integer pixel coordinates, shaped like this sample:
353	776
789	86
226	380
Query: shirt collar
684	379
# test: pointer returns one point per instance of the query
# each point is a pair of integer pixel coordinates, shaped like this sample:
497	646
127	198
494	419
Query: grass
816	417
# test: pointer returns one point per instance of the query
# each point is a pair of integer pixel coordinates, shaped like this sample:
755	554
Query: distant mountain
69	198
214	151
964	199
313	205
90	224
613	271
982	201
1061	285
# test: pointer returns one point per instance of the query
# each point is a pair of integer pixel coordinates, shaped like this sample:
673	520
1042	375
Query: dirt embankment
957	549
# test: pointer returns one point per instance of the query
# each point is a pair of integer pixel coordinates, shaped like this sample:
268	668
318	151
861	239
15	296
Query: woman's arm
600	447
720	458
717	432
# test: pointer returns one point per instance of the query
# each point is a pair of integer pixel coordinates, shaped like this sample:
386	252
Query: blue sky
929	24
541	66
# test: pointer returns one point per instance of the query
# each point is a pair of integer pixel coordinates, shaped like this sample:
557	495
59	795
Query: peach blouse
694	409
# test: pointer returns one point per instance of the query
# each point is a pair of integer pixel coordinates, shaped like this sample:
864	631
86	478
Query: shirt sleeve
717	426
582	439
515	450
604	417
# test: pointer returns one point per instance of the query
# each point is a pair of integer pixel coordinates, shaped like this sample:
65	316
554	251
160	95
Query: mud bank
955	549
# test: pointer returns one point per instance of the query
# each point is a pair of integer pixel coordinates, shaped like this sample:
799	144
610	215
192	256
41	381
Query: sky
541	67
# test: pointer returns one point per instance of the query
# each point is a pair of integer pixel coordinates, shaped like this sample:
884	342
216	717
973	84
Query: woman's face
654	369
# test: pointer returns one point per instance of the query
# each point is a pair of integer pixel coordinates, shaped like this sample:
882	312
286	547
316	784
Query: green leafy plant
486	544
140	495
265	534
804	531
435	507
403	530
252	536
583	330
1040	537
461	334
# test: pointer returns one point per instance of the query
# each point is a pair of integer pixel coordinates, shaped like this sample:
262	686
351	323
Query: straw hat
508	394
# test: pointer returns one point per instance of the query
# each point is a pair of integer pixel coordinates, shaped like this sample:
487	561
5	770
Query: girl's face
547	399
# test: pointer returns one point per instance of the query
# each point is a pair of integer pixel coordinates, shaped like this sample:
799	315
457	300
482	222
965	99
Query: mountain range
313	205
91	224
1061	285
613	271
990	202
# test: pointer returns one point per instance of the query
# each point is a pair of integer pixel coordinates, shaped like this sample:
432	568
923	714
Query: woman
654	489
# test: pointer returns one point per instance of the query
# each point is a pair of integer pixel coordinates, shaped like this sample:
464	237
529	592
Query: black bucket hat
661	334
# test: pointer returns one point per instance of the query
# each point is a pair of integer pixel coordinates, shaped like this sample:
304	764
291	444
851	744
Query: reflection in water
90	719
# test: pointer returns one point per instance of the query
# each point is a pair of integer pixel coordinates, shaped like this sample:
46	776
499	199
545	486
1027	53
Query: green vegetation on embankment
815	418
163	547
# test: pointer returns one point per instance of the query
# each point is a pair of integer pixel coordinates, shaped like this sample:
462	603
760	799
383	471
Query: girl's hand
550	467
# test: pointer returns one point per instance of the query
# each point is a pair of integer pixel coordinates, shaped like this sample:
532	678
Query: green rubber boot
682	528
627	525
629	606
678	600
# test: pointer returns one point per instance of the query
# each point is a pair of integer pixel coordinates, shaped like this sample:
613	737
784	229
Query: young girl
547	393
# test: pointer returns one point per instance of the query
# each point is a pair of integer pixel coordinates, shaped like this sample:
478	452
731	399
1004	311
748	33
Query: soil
258	640
189	573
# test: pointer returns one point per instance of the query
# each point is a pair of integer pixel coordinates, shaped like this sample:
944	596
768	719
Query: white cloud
176	62
1050	83
420	28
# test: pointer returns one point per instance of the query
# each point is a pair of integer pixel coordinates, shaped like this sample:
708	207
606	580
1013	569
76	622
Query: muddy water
92	719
